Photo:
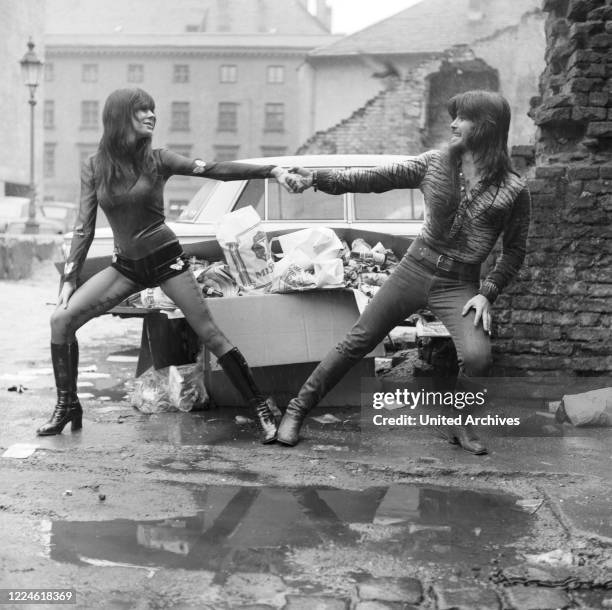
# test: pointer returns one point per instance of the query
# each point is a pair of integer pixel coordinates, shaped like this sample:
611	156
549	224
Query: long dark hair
490	113
120	153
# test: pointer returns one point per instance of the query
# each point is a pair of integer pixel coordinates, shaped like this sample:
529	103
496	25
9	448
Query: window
49	160
228	74
181	149
175	208
273	151
89	73
226	153
180	116
228	116
274	119
276	74
85	151
49	69
180	73
309	205
89	115
49	114
253	194
397	205
135	73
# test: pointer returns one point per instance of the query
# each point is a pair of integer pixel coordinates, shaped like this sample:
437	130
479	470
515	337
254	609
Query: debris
328	418
530	505
17	388
328	448
119	358
241	419
556	558
592	408
20	450
174	388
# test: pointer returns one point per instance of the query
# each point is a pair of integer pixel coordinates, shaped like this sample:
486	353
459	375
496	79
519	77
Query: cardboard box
283	337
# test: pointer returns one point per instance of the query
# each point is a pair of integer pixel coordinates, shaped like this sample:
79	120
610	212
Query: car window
309	205
193	210
252	194
398	204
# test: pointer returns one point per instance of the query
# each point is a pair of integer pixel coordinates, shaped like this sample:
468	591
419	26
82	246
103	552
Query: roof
179	16
185	42
432	26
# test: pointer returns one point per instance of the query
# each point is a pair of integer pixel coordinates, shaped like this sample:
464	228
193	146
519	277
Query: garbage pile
307	259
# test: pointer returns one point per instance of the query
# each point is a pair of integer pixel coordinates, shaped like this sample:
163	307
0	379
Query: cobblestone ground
188	510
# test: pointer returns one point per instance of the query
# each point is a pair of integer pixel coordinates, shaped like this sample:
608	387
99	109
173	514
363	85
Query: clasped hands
294	180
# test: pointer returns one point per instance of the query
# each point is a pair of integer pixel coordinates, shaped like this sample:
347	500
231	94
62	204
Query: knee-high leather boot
65	358
327	374
239	373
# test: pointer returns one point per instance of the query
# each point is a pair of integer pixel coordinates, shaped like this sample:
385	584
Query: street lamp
31	68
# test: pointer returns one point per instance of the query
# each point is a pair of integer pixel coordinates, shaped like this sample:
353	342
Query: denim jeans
413	286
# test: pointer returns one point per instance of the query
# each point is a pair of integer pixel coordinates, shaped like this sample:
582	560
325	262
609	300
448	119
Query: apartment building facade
225	84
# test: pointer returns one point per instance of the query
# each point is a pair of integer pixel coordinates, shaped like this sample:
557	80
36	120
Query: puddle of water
201	465
255	529
218	426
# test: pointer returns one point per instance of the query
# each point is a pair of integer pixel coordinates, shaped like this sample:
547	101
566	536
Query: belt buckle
439	263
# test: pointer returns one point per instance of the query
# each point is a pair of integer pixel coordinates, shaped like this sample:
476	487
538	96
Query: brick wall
390	122
556	319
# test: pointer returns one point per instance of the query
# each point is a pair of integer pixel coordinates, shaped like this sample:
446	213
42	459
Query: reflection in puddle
253	529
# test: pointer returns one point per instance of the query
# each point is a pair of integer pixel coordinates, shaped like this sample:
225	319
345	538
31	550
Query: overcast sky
349	16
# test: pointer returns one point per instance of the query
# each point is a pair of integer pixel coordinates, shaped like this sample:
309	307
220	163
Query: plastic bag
310	261
246	249
317	243
174	388
156	297
592	408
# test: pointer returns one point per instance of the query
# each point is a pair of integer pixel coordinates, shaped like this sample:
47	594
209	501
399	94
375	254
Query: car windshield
192	211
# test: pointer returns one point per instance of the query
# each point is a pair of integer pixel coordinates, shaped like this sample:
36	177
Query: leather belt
445	265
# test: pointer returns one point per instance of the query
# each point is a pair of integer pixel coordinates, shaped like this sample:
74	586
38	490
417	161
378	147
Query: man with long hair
472	195
126	178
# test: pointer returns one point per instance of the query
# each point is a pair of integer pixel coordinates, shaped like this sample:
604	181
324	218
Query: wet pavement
188	510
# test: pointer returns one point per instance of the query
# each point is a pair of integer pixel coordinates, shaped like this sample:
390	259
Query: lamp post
31	68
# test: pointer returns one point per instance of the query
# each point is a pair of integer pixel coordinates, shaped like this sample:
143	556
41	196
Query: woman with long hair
472	195
126	178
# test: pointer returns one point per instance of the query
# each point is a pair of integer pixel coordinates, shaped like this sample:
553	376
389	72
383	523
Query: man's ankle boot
65	358
239	373
466	436
325	376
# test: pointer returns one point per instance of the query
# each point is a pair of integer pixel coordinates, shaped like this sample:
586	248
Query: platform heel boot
65	358
327	374
239	373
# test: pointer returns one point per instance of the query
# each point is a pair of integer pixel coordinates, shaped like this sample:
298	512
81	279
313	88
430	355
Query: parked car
64	212
51	216
394	218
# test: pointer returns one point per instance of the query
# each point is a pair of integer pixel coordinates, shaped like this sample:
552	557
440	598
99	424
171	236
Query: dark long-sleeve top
135	211
466	232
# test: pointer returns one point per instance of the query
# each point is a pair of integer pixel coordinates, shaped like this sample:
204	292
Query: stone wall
556	319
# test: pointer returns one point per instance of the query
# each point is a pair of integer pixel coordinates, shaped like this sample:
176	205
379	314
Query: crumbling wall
397	121
391	122
556	319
